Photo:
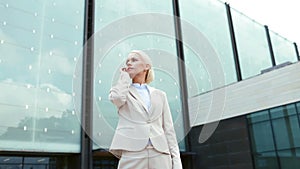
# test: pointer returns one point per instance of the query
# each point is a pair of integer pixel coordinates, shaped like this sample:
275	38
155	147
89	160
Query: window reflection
209	18
39	41
284	50
251	41
275	141
15	162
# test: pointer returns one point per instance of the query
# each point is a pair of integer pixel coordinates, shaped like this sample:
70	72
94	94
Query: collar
140	86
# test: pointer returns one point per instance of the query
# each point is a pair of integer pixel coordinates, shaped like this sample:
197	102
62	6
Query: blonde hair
150	73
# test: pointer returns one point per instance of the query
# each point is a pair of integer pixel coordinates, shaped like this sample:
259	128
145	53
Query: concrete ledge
270	89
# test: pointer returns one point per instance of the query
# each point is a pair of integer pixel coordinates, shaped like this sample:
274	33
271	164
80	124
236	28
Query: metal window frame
233	43
86	155
270	46
182	72
296	50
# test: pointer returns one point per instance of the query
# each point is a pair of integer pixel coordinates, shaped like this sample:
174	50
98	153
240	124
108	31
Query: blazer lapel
151	89
154	111
137	96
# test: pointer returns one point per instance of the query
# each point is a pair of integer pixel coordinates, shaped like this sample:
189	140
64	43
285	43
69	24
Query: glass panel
14	166
210	20
105	163
252	45
298	108
36	160
286	128
283	111
258	117
297	152
40	43
160	47
12	124
57	130
198	78
108	11
283	49
30	166
281	134
287	132
288	159
10	160
267	160
295	131
261	137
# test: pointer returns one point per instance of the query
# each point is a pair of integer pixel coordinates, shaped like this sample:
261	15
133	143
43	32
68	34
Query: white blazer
137	124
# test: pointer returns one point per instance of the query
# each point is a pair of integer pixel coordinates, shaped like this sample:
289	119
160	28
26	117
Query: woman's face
135	65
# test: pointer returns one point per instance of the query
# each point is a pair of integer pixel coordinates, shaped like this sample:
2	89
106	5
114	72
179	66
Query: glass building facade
42	70
40	42
275	135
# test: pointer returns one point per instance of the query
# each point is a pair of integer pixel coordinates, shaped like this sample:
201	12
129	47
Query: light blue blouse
144	93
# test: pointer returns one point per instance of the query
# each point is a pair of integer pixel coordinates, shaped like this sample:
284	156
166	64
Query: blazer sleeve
118	93
171	135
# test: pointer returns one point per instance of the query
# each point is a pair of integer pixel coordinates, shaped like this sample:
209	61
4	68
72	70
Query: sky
280	16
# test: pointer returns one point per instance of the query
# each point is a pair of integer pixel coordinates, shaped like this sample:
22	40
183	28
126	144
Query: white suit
137	124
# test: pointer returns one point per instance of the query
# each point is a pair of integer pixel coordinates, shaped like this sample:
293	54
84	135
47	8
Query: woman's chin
131	75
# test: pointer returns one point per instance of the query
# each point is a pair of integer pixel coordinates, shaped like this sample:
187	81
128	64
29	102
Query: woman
145	136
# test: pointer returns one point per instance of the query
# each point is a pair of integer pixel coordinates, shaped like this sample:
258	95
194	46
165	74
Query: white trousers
148	158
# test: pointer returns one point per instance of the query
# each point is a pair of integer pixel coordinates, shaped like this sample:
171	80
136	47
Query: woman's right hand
125	69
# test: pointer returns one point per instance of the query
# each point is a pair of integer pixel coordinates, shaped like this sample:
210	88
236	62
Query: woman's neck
139	79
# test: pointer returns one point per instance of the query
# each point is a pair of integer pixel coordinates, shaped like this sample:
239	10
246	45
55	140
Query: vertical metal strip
233	44
274	139
86	156
296	50
182	72
297	112
270	46
249	125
